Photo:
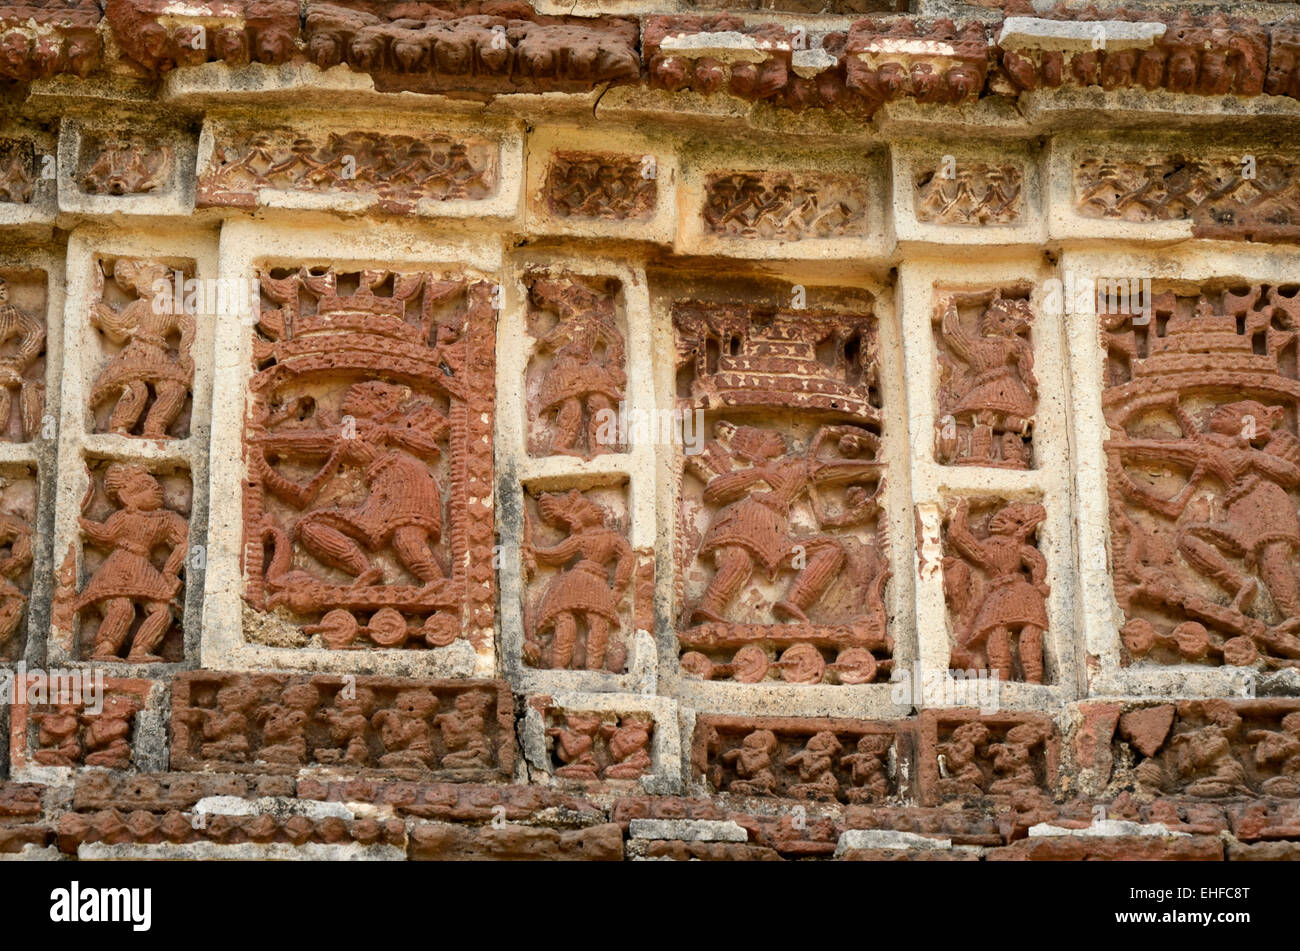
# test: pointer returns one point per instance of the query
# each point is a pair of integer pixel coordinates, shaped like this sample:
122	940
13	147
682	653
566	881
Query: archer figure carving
149	363
29	336
988	392
403	506
588	590
585	380
128	580
1006	601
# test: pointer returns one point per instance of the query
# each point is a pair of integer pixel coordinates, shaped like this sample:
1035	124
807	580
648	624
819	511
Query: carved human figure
961	755
1013	767
752	527
59	736
403	506
225	727
575	744
464	732
127	579
29	340
867	768
816	766
994	392
348	721
284	724
628	742
1279	749
404	729
1201	762
107	733
145	363
585	379
1013	598
753	764
17	534
589	589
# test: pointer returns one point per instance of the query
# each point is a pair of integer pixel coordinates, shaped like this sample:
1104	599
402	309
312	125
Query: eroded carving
145	384
977	193
890	60
399	170
18	498
825	760
160	35
42	38
962	754
577	607
577	374
69	734
111	165
17	169
781	535
995	587
600	186
22	365
141	521
988	393
367	512
589	745
784	205
1204	466
279	723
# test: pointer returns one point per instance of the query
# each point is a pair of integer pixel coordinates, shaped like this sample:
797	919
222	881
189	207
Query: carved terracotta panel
65	38
962	754
18	171
159	34
128	600
60	726
22	354
784	206
597	744
479	47
367	508
399	170
18	505
988	393
600	186
1214	749
782	551
577	377
832	760
580	579
440	729
1226	197
994	583
1203	458
143	334
111	164
977	193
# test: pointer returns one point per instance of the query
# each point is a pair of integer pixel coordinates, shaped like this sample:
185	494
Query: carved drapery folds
367	512
1204	463
781	543
988	393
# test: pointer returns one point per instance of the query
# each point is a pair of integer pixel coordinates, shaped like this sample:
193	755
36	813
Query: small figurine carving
128	579
28	335
349	724
816	766
868	768
753	764
464	732
628	742
575	744
284	724
107	733
404	730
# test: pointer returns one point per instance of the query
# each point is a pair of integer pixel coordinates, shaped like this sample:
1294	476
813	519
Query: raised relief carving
1213	749
22	355
962	754
460	730
42	38
784	206
144	385
159	34
111	165
399	170
782	544
135	530
578	568
853	761
1255	198
889	60
475	47
577	375
18	498
17	171
600	186
977	193
590	745
1204	465
995	587
988	393
69	734
367	511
